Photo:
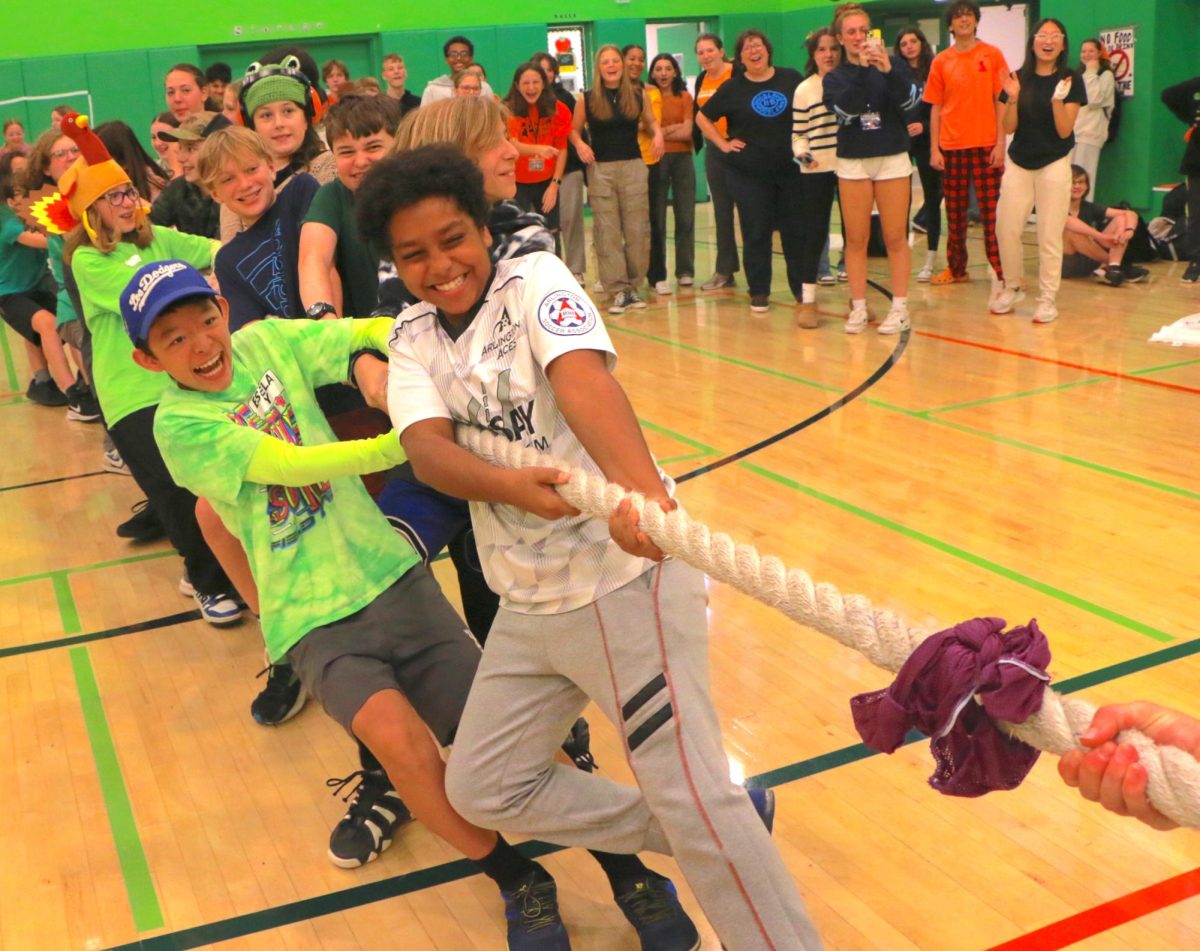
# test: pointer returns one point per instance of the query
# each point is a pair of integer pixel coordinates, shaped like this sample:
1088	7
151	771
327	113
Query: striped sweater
814	127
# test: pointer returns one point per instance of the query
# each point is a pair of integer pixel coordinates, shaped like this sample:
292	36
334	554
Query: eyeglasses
71	151
462	54
121	196
1047	37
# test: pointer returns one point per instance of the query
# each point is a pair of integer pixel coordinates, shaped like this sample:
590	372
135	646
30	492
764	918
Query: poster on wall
1119	43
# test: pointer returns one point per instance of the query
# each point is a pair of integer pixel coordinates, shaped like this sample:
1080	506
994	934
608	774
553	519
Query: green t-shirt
66	309
122	385
21	267
333	206
318	552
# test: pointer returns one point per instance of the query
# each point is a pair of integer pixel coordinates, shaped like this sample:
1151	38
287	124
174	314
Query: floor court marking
139	884
349	898
56	479
1054	361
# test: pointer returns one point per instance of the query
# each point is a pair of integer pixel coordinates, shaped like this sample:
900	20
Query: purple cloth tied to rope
936	692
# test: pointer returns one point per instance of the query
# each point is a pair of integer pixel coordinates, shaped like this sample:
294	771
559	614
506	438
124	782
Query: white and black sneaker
281	699
375	812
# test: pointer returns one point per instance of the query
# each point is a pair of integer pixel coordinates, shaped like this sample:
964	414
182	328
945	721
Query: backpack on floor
1166	237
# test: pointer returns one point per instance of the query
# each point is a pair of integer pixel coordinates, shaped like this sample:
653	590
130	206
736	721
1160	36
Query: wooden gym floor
992	467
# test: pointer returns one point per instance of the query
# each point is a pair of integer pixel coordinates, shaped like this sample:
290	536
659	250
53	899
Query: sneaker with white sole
760	304
1046	312
367	828
114	463
717	281
1003	299
633	302
826	280
896	320
663	288
856	323
281	699
925	275
686	280
219	610
619	303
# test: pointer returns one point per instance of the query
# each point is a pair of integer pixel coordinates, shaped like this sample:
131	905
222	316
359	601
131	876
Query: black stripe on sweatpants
652	723
642	697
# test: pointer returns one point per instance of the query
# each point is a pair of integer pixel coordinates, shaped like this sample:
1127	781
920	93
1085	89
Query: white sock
900	302
930	258
808	293
858	304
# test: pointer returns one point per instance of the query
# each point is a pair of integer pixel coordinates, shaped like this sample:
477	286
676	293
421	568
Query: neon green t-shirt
318	552
122	385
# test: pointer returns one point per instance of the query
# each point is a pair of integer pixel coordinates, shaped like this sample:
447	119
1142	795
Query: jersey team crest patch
566	313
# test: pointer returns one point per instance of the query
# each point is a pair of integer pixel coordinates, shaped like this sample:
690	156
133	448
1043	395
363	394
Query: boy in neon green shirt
343	597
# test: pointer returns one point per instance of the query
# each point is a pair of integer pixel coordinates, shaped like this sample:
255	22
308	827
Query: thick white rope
880	636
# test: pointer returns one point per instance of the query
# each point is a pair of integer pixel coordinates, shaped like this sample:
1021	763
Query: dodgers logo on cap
153	288
566	313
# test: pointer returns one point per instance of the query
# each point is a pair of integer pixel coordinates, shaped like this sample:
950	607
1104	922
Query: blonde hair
106	239
226	144
627	94
846	10
473	124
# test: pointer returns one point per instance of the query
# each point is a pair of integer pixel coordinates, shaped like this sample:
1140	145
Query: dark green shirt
333	206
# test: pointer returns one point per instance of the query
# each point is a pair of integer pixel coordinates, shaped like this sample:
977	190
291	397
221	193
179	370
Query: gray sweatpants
641	653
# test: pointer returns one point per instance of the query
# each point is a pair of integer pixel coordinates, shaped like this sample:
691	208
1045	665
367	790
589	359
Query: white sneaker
598	287
1003	300
619	303
925	274
686	281
1046	312
663	288
114	463
895	321
856	323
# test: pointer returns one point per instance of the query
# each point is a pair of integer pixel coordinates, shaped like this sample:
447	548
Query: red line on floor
1104	917
1062	363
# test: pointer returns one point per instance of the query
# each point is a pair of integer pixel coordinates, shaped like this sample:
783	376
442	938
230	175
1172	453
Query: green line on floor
139	885
66	604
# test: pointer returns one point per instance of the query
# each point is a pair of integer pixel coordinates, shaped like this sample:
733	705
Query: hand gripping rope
880	636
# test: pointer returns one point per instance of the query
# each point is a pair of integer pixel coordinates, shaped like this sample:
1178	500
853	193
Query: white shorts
876	169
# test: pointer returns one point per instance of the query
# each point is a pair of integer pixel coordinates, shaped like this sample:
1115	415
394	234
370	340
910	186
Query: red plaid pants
962	167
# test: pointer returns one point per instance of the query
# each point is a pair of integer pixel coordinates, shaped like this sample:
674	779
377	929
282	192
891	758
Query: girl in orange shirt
538	127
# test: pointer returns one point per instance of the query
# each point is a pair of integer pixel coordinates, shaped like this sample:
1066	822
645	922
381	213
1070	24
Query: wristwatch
320	309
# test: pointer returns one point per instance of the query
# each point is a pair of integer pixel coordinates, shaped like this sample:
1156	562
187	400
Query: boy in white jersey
588	611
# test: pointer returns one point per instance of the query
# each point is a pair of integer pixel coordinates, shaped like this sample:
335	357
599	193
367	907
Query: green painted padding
618	32
121	88
357	52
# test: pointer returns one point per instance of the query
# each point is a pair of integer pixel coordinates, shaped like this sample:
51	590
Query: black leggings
931	185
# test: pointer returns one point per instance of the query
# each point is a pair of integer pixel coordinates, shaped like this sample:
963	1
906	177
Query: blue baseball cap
153	289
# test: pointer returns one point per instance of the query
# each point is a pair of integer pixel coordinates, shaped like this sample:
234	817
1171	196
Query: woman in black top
914	48
874	97
762	176
1184	100
1041	101
611	111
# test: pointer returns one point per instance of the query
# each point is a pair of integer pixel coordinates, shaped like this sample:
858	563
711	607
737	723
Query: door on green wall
679	39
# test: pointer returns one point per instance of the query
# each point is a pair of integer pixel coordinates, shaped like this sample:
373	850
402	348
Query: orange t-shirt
965	85
539	130
707	88
677	109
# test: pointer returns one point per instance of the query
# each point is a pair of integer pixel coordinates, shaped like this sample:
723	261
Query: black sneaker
375	812
578	746
532	913
652	906
1135	274
45	393
1114	276
144	526
1192	274
82	406
281	699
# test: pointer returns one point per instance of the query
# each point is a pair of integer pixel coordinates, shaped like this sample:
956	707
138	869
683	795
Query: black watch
320	309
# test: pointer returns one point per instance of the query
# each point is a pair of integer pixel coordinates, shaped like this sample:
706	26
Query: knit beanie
282	82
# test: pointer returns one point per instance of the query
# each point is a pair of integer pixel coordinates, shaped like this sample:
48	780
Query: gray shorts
71	333
408	639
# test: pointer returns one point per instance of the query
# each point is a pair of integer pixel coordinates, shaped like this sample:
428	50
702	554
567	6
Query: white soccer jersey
493	376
